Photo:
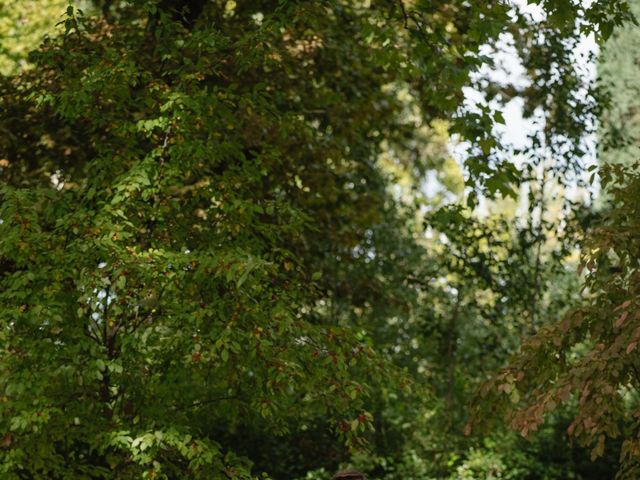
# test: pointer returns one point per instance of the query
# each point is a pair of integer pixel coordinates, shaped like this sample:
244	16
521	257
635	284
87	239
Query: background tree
617	70
23	25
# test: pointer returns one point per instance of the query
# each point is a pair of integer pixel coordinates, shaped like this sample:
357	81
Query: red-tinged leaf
7	440
632	346
599	448
621	319
585	394
564	394
623	305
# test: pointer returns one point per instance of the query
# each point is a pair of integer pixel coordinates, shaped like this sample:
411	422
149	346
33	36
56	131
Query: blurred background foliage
23	25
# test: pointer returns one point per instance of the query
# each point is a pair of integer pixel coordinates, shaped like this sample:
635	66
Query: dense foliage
618	70
233	241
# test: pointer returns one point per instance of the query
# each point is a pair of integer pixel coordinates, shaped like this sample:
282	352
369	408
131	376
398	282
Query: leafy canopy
182	185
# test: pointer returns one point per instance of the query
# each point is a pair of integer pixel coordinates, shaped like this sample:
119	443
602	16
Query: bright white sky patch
508	69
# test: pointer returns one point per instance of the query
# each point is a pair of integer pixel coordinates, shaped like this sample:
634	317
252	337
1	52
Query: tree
617	72
163	196
589	355
586	359
191	200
